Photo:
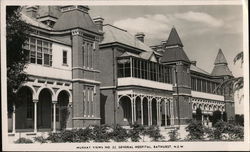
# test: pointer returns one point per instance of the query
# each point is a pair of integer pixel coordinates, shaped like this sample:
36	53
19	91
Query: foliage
173	135
100	133
195	130
154	132
23	141
216	117
136	131
17	33
234	132
239	119
54	137
224	116
64	118
40	139
198	115
83	135
239	57
119	134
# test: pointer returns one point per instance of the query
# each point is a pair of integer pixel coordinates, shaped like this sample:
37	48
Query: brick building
83	72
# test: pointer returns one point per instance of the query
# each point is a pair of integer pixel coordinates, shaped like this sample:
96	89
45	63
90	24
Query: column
54	116
157	112
149	112
141	111
165	103
35	115
132	109
14	119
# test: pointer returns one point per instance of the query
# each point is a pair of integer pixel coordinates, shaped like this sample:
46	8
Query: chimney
32	11
98	22
194	62
140	36
163	44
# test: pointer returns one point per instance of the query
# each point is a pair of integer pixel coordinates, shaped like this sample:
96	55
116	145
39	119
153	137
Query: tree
17	33
216	117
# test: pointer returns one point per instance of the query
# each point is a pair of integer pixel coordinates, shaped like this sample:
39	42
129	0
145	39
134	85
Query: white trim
108	87
86	80
144	83
207	96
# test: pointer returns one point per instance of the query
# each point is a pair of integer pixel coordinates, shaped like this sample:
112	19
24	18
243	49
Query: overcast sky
202	29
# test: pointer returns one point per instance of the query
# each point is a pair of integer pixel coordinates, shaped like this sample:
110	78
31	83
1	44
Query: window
124	69
193	84
40	51
198	84
65	57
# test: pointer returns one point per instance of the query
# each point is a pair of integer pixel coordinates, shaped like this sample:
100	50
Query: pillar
14	119
35	115
54	116
132	109
141	110
165	105
149	112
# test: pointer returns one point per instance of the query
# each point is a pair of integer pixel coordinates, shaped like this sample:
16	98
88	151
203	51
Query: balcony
207	95
130	81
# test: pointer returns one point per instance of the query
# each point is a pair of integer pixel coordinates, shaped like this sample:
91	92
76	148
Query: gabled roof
197	69
174	38
174	54
75	19
220	66
125	54
114	34
220	58
34	21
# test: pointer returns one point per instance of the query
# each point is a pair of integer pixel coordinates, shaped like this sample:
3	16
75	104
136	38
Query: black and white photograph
125	75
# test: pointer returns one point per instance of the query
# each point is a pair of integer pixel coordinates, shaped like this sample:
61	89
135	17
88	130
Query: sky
203	29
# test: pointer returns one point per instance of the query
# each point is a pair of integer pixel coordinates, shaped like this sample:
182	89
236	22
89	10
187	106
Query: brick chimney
98	22
32	11
140	36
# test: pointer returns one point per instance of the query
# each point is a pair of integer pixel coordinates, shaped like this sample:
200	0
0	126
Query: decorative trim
86	118
108	87
86	69
86	80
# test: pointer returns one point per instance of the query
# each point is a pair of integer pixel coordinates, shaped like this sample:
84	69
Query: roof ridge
115	27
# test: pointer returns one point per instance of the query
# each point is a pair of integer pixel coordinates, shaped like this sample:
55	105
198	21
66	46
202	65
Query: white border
189	146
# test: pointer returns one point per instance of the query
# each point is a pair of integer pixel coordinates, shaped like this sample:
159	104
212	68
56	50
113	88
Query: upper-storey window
143	69
87	54
65	57
40	51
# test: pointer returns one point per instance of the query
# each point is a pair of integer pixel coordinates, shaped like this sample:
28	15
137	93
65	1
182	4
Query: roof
197	69
220	65
221	70
174	38
220	58
75	19
53	11
114	34
174	54
125	54
33	21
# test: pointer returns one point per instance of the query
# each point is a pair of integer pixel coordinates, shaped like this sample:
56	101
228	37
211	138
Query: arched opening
44	109
145	111
62	111
154	112
138	110
125	103
24	109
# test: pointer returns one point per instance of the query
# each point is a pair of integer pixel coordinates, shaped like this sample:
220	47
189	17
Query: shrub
84	135
100	133
173	135
40	139
198	115
69	135
154	132
220	128
23	141
195	130
239	119
54	137
64	118
119	134
136	131
216	117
